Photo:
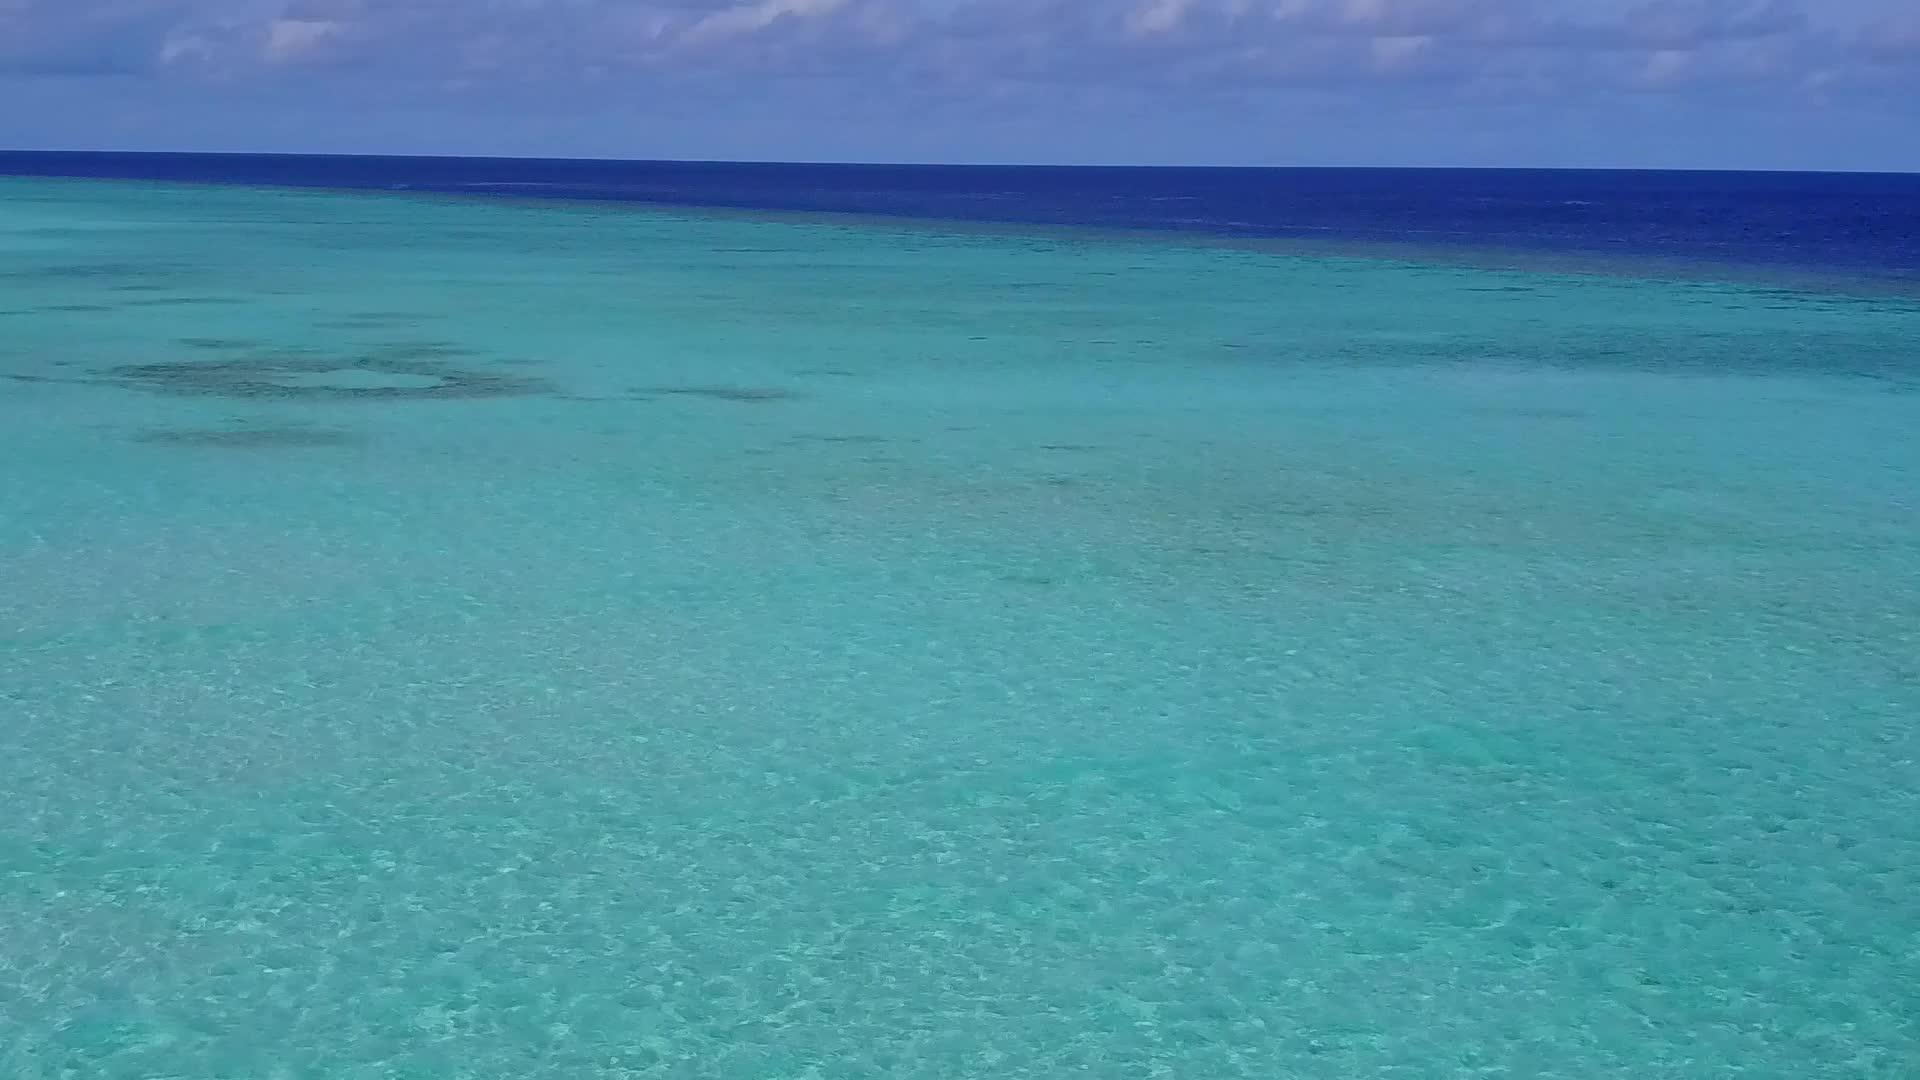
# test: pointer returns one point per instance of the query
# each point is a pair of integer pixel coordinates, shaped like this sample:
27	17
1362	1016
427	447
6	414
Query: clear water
446	639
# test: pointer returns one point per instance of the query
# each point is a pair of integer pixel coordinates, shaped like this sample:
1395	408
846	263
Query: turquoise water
458	639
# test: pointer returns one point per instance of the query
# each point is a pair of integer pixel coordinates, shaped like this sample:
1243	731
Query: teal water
458	639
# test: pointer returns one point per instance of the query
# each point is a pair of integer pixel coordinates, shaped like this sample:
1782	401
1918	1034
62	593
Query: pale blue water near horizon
445	637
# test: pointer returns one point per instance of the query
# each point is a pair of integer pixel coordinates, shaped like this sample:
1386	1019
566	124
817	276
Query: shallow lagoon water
446	638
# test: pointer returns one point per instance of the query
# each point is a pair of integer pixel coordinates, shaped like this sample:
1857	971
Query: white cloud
1398	51
185	48
1470	46
745	19
1665	66
292	40
1157	17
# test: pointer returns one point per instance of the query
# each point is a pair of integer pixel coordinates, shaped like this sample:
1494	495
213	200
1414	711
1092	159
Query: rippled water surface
460	639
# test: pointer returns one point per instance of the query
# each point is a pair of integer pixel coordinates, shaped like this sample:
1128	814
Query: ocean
467	618
1820	225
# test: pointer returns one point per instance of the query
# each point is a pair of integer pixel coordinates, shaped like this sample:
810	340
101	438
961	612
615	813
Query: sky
1768	84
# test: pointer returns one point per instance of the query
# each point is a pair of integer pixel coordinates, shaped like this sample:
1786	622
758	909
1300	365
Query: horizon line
825	163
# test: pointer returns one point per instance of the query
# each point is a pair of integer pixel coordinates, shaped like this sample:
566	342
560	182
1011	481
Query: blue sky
1670	83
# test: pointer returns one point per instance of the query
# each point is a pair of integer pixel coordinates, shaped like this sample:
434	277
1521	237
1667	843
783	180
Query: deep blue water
1853	224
